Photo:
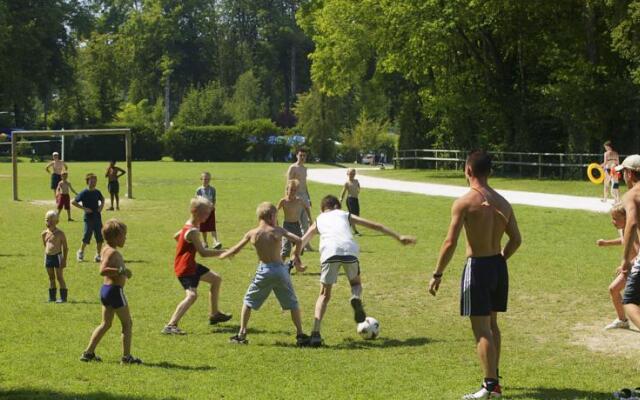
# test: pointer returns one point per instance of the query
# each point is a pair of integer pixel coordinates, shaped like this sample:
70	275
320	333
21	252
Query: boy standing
190	273
298	171
92	204
112	175
352	189
63	199
55	256
112	295
209	225
337	248
58	166
272	274
293	207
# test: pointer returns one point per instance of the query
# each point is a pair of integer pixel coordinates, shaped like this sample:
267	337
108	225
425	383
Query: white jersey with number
335	235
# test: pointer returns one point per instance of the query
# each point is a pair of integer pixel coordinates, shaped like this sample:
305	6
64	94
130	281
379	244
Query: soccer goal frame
74	132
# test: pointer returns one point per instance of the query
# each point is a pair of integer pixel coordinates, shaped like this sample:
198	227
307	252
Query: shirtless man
298	171
486	216
272	274
293	206
58	166
630	168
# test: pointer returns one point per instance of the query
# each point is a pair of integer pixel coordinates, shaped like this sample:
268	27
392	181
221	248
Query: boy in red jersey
190	273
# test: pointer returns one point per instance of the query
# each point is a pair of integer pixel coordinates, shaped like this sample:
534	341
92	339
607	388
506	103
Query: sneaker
315	340
219	317
218	245
238	339
130	360
483	393
172	330
60	301
80	255
86	357
303	340
617	324
358	310
97	258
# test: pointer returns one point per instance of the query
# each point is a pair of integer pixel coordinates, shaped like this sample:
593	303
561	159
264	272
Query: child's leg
356	287
214	236
614	291
127	324
215	281
60	277
633	313
98	247
52	284
98	333
296	317
245	314
117	195
69	214
204	238
321	305
191	297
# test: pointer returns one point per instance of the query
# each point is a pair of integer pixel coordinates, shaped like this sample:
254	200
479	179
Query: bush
260	135
206	143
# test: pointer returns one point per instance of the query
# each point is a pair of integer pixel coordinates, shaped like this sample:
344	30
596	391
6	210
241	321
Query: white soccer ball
369	329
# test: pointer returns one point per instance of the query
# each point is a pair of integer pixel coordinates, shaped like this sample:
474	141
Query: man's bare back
298	172
486	218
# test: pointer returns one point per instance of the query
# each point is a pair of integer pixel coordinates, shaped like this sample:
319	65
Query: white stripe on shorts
466	288
124	299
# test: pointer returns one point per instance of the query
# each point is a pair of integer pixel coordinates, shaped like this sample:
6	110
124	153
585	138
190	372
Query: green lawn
452	177
551	334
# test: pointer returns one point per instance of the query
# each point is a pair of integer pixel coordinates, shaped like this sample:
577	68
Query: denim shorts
271	277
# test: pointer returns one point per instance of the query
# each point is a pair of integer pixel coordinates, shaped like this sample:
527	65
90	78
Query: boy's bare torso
52	241
292	209
353	188
266	240
63	187
113	259
299	172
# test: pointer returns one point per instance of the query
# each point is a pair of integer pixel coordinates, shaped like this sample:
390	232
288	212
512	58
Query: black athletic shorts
192	281
631	294
484	287
353	205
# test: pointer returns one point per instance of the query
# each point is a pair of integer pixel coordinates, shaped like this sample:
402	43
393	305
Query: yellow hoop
593	179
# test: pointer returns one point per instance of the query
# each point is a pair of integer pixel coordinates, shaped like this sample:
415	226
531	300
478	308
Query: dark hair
608	143
302	150
480	163
330	202
113	162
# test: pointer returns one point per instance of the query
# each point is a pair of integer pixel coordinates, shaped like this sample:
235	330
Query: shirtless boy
292	206
298	172
57	165
486	217
55	256
63	199
352	189
271	275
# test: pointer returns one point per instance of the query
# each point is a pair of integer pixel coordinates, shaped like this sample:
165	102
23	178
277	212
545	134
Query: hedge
206	143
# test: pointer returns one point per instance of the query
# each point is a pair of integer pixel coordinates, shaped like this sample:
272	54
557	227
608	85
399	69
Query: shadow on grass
232	329
357	344
169	365
553	393
82	302
13	255
136	262
42	394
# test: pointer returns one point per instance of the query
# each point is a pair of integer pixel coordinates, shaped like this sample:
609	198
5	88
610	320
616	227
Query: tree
248	102
203	107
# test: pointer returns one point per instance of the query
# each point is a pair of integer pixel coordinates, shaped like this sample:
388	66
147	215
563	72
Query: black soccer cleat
358	310
87	357
219	317
130	360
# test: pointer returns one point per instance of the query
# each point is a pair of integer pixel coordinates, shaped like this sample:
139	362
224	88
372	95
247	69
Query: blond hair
112	229
349	170
266	210
205	173
292	183
52	214
198	203
618	209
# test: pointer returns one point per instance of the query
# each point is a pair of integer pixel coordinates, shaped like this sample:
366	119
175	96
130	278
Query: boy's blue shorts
92	225
112	296
271	277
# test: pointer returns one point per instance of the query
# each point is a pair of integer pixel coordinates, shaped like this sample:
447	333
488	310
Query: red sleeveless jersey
185	262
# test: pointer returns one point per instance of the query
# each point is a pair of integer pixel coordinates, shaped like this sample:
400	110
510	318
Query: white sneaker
80	255
172	330
483	393
97	258
617	324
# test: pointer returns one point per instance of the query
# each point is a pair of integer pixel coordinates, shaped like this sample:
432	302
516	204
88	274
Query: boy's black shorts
192	281
484	287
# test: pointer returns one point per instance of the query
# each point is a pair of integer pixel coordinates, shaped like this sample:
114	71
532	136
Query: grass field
452	177
553	343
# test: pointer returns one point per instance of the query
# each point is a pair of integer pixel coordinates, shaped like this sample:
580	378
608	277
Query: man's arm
630	233
193	237
449	245
381	228
308	235
238	246
65	250
515	240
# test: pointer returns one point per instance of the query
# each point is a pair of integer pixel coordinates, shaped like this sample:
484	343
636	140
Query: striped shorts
484	287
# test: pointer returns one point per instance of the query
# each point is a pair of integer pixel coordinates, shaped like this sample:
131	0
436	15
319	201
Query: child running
112	175
618	219
352	189
272	274
209	225
63	200
92	204
190	273
293	207
55	256
337	248
112	296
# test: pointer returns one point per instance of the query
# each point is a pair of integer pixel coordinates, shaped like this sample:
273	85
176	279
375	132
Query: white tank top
335	235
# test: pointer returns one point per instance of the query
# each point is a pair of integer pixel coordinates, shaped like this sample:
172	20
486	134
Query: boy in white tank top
337	248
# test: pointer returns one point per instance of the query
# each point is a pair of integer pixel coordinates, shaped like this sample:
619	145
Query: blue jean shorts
271	277
92	226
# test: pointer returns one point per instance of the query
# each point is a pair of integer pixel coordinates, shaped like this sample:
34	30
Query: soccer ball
369	329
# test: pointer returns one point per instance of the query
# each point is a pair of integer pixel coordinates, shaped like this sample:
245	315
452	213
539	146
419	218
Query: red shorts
62	201
210	224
